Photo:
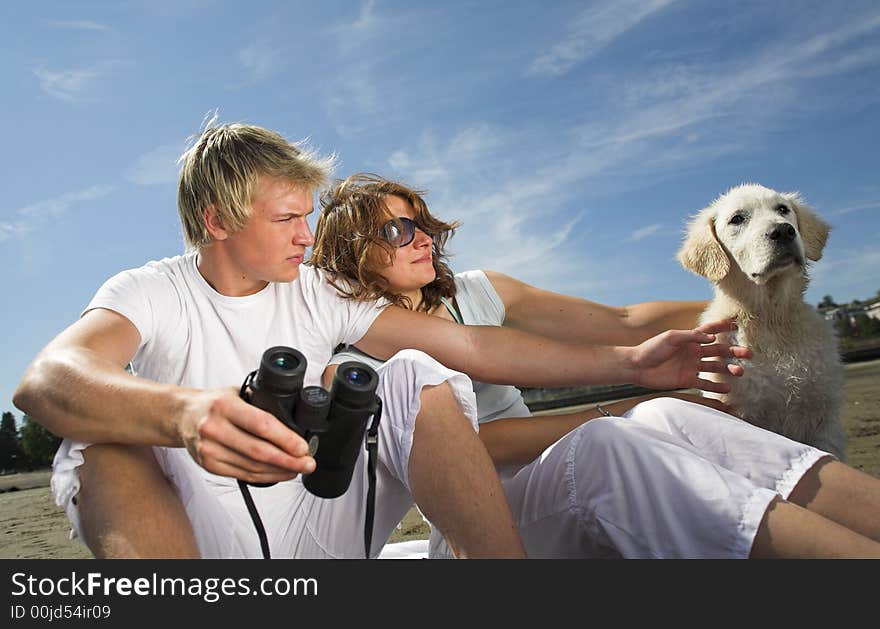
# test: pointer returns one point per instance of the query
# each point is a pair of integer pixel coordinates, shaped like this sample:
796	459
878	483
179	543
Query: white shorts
299	524
670	479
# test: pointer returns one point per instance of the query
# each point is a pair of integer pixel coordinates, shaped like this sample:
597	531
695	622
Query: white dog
753	243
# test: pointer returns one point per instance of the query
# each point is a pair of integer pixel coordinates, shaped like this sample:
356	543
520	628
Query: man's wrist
183	404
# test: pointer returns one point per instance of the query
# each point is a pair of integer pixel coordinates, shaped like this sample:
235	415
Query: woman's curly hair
350	248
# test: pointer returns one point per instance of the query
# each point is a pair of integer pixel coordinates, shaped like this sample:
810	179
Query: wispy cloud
510	219
158	166
76	85
432	163
81	25
366	21
353	94
848	275
260	60
644	232
874	205
33	216
515	192
702	94
591	31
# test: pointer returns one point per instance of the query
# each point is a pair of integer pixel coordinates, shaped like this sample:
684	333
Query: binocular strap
372	455
255	516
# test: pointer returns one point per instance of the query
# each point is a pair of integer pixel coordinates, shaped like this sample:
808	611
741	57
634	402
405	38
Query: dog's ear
701	251
813	230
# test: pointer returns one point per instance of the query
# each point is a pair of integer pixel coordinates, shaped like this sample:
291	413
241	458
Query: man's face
272	245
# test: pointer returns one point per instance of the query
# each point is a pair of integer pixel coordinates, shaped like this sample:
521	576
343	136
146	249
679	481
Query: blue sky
572	139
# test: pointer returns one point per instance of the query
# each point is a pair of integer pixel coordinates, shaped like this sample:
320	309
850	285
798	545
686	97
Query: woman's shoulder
472	277
478	298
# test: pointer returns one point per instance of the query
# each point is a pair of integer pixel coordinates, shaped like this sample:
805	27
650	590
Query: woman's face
412	266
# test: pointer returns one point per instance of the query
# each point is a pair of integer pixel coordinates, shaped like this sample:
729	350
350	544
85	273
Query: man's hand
674	359
229	437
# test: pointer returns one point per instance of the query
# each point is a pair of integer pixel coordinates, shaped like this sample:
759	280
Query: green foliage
10	453
854	328
37	443
827	302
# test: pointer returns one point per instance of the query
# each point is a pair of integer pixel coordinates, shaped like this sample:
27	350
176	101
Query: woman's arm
581	321
520	440
502	355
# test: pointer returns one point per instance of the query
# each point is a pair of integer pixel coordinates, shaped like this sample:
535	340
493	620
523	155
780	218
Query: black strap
242	486
255	516
372	446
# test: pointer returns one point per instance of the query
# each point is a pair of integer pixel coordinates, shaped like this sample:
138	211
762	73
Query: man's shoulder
155	275
318	284
314	280
174	266
171	265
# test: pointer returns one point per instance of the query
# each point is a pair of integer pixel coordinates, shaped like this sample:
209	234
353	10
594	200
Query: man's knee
106	464
127	508
440	403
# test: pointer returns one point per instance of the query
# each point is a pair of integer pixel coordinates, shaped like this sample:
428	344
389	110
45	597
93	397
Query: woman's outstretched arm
577	320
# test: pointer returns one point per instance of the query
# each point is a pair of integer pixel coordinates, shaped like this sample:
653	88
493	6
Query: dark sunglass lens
391	232
399	231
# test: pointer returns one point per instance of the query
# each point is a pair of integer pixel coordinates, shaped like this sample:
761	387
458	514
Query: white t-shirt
191	335
479	304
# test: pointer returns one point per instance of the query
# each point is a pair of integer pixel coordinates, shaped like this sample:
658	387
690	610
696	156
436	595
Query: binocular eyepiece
333	423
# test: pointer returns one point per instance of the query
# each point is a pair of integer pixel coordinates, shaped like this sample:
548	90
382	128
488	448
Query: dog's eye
782	209
736	219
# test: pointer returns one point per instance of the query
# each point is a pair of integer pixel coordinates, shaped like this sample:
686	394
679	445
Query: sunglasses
400	231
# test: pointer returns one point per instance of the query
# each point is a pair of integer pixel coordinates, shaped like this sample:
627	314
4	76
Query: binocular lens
285	363
357	377
281	371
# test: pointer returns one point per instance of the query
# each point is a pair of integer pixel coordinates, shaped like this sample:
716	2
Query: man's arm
577	320
77	388
503	355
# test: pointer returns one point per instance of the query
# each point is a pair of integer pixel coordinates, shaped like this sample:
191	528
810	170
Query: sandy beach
34	528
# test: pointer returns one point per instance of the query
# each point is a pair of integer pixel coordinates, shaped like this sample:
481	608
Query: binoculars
333	423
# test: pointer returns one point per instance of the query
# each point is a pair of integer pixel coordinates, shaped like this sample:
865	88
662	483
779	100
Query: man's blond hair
220	171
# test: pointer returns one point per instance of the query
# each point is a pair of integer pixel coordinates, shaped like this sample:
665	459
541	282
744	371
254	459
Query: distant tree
827	302
37	443
866	326
10	453
844	328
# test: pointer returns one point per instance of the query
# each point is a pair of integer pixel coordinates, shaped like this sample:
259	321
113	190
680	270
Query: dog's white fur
793	385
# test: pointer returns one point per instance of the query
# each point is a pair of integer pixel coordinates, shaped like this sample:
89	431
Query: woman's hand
675	358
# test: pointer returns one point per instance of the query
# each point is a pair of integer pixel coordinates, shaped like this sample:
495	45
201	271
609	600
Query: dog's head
762	231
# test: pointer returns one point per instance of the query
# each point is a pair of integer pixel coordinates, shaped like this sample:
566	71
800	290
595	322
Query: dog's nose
782	233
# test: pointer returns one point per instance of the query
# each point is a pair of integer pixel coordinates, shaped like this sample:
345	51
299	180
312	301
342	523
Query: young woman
667	477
